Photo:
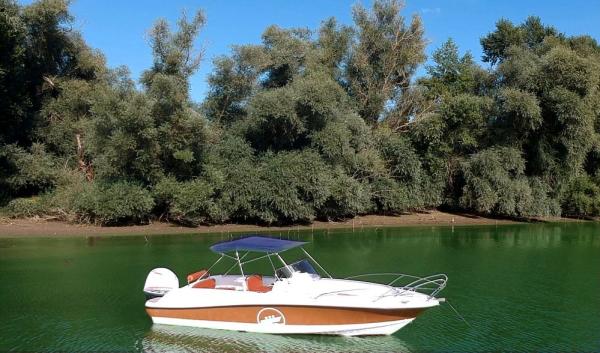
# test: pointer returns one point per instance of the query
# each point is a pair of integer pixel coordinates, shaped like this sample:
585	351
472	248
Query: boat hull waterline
289	319
371	329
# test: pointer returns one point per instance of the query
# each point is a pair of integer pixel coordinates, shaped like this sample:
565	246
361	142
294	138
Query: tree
383	57
17	105
231	83
452	74
124	141
529	35
457	123
545	102
41	56
180	128
334	44
325	124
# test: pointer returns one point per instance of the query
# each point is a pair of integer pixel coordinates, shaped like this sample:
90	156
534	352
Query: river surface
519	287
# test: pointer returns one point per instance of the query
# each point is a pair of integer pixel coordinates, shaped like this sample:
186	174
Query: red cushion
254	283
196	275
206	283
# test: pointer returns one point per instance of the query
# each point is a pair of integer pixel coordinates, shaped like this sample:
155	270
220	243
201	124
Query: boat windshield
303	266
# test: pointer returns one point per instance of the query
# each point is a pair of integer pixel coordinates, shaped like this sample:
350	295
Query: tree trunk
86	168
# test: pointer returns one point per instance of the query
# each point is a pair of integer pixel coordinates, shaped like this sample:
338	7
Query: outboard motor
159	282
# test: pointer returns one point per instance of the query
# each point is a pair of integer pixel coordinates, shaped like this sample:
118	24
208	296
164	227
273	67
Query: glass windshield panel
303	266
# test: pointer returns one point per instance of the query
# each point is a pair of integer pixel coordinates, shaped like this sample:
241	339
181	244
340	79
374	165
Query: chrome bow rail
430	285
402	283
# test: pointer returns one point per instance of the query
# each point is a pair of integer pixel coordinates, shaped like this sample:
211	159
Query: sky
119	28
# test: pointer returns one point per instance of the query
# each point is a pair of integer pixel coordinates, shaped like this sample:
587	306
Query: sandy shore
40	227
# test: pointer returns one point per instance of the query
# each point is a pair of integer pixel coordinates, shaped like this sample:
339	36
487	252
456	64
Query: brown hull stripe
293	315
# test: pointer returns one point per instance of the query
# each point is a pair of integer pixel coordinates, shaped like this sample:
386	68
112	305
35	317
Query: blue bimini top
256	243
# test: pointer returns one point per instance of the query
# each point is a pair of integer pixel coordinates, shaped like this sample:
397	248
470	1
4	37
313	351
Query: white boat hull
367	329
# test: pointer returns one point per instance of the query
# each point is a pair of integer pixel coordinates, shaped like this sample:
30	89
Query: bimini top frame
258	244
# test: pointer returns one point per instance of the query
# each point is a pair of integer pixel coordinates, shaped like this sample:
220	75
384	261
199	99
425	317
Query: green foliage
452	74
124	138
307	124
495	183
284	117
520	110
545	200
174	51
334	42
193	201
179	128
66	115
26	207
347	198
582	197
231	83
17	105
387	196
77	200
290	186
383	58
27	172
115	203
341	142
406	169
234	158
530	34
466	117
37	46
273	122
544	105
190	202
392	174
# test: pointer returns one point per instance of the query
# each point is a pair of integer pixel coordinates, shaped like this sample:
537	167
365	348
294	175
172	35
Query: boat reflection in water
166	338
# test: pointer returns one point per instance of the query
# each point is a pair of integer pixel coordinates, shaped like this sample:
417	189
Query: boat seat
197	275
254	283
227	288
206	283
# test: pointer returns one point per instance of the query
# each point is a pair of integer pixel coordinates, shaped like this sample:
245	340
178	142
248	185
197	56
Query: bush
520	109
237	197
389	196
290	187
414	189
348	198
190	202
582	198
544	202
495	183
112	204
26	207
27	172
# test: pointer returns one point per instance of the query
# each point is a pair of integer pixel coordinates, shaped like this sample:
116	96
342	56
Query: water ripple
163	339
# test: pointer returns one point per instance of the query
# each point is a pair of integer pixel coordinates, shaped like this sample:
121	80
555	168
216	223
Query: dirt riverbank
40	227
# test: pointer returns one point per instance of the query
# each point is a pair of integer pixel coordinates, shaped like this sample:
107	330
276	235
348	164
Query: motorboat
292	297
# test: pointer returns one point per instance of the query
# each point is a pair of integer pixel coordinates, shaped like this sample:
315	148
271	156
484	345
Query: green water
521	288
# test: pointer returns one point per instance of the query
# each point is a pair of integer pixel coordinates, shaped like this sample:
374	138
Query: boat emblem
270	316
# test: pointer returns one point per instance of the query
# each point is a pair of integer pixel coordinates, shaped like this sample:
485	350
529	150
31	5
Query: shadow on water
161	338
